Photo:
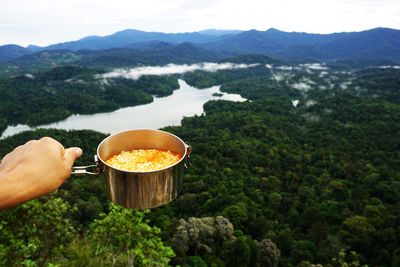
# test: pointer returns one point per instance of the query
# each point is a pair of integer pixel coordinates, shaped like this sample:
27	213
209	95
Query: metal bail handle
82	170
188	152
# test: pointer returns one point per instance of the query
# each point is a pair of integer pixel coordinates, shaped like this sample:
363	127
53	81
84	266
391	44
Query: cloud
345	85
278	77
314	66
49	21
136	73
284	68
323	74
304	85
281	76
301	86
307	80
389	67
310	103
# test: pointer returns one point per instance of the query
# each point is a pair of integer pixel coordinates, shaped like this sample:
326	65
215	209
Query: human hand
34	169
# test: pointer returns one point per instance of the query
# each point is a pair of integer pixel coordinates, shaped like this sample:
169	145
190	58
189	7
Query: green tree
238	253
123	232
35	232
396	258
347	260
268	252
236	214
201	234
358	232
196	261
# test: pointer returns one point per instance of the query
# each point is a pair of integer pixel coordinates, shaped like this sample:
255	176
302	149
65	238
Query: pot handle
82	170
188	152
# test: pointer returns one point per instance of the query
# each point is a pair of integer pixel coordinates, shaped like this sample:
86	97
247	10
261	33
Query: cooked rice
143	160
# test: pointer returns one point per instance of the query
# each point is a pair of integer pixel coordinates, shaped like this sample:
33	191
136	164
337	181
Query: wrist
13	189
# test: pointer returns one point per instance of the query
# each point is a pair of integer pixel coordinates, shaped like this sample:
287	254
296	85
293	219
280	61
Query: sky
44	22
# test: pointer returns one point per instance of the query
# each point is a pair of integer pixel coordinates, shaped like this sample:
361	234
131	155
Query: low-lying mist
136	73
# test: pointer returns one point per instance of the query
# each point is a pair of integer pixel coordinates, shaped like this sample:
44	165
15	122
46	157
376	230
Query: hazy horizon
47	22
108	34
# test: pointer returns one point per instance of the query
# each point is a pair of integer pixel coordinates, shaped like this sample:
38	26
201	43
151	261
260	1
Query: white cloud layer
314	66
301	86
284	68
136	73
278	77
389	67
310	103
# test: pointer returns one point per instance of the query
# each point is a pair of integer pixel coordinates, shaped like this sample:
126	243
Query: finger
71	154
47	139
21	147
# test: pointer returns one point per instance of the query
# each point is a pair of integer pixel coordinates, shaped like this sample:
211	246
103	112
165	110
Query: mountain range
129	45
379	43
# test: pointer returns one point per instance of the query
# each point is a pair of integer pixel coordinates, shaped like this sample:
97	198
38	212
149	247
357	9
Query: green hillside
271	183
45	97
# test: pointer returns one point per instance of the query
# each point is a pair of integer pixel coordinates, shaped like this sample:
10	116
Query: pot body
142	190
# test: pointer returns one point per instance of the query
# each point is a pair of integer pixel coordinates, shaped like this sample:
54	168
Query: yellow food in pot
143	160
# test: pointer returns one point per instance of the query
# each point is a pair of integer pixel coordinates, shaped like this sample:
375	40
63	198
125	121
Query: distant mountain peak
90	37
378	43
374	44
273	30
219	32
127	31
12	51
34	47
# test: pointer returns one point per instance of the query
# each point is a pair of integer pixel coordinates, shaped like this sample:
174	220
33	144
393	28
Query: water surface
163	111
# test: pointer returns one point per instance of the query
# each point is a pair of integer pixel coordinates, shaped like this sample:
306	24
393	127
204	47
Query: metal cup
140	190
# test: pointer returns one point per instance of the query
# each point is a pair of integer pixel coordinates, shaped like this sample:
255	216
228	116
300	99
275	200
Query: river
163	111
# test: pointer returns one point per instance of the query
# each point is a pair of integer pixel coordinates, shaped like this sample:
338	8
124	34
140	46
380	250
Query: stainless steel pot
140	190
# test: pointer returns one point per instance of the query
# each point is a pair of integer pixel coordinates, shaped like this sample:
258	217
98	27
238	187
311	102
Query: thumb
71	154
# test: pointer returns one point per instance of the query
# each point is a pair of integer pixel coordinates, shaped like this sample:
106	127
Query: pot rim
144	129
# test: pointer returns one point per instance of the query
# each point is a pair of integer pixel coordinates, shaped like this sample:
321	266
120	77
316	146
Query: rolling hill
376	44
10	52
155	53
139	47
130	36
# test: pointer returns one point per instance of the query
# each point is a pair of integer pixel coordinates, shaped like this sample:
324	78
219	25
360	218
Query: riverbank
163	111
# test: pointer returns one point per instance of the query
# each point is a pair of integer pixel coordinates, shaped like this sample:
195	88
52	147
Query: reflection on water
164	111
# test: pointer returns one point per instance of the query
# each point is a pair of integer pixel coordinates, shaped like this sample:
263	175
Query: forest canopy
270	183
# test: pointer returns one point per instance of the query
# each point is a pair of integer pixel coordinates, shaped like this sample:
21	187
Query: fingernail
78	152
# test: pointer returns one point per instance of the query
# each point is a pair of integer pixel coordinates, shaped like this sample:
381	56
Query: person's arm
34	169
